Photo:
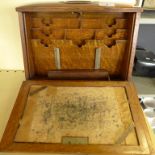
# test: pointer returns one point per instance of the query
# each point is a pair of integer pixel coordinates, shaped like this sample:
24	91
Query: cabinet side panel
134	43
133	27
27	26
23	40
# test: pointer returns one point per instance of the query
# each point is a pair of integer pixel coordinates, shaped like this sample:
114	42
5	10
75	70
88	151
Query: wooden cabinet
78	97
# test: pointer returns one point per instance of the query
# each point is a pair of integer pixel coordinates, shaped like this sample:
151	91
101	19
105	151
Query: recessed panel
76	115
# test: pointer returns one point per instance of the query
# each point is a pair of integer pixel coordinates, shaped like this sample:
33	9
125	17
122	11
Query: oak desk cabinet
78	97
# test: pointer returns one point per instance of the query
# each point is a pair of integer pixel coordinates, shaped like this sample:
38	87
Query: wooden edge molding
63	7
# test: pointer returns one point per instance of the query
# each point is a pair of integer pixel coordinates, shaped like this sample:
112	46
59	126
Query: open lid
79	40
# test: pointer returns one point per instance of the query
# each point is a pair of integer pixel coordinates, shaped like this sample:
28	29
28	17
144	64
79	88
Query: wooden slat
62	7
79	75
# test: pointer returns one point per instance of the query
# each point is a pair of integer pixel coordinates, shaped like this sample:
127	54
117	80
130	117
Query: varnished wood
23	39
62	7
77	35
77	30
79	75
27	28
129	56
144	146
133	44
71	55
53	113
141	117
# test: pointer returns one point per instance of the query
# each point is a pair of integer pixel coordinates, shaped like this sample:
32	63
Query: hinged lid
78	37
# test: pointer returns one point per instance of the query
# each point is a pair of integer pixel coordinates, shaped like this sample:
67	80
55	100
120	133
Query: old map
99	114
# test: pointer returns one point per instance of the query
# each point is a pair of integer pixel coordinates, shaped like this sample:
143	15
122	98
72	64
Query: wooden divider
74	57
77	35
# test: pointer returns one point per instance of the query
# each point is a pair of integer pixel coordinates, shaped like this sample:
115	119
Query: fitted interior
77	36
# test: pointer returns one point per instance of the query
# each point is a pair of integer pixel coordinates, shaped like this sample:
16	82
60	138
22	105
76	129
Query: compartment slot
93	23
55	23
74	23
65	23
103	23
75	57
54	15
79	36
47	34
43	57
112	58
111	33
120	24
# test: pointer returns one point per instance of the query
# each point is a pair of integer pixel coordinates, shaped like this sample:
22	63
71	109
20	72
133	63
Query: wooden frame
144	147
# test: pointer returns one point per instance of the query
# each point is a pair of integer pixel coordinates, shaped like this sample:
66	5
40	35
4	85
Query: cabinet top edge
65	7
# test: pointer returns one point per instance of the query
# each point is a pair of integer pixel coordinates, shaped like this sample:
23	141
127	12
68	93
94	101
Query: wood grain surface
142	144
77	31
101	114
54	116
59	7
